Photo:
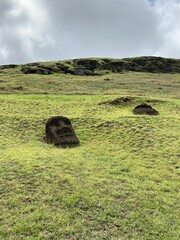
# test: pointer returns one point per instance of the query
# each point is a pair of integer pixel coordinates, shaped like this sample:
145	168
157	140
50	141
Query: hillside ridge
99	66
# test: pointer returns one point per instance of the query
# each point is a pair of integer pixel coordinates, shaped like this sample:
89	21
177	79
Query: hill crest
100	66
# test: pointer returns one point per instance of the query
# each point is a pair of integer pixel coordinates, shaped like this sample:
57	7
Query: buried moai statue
145	109
60	132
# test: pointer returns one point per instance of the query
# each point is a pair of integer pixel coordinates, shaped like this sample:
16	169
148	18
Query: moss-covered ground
121	183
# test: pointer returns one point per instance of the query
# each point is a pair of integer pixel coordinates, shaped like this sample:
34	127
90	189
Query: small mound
145	109
118	101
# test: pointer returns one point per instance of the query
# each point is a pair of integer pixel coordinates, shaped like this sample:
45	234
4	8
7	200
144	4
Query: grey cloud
32	30
169	21
113	28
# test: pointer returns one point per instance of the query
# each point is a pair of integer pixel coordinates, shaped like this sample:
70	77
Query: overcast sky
42	30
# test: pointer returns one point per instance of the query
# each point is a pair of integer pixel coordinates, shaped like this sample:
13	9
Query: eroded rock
145	109
60	132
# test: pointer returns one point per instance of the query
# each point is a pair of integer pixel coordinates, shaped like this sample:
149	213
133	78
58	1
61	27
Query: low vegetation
129	83
121	182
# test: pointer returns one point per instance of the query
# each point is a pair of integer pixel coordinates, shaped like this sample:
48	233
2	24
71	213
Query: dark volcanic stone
8	66
29	70
145	109
60	132
88	64
80	71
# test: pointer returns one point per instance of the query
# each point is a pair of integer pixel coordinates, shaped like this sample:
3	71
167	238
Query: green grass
121	183
131	83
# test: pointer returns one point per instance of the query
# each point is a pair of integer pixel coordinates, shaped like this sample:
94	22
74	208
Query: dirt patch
155	101
118	101
145	109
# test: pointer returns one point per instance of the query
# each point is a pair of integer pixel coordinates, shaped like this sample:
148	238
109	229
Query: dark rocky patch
80	71
88	64
8	66
60	132
42	71
62	67
99	66
20	88
145	109
116	66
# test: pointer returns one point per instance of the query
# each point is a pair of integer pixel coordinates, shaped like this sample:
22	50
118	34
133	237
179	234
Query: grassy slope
121	183
160	85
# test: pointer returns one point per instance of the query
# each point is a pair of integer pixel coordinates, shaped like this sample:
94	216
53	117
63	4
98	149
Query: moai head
145	109
59	131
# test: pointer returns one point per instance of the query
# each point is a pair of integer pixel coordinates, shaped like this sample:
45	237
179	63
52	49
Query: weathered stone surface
29	70
145	109
8	66
88	64
80	71
60	132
